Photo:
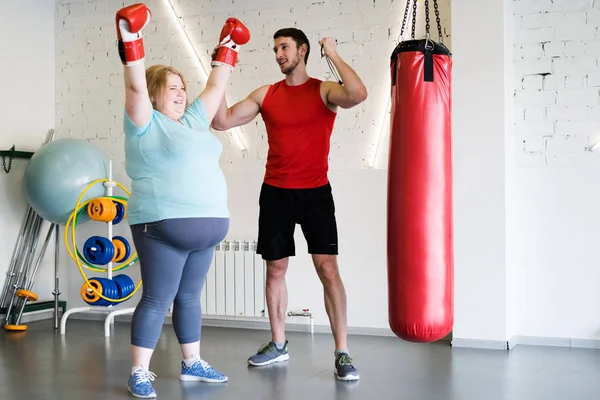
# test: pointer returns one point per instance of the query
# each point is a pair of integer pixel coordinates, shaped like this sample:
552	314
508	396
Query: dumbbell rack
110	318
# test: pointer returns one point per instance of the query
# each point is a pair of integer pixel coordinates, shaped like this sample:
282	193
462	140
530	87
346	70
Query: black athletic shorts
281	209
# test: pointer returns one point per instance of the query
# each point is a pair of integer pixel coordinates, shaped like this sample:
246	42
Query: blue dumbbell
98	250
120	213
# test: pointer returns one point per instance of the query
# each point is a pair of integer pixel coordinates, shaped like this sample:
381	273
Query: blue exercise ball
58	173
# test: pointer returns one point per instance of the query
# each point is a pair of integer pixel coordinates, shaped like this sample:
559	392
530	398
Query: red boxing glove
130	22
233	35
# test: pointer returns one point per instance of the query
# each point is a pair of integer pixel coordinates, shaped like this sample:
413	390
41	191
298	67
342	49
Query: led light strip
235	130
385	115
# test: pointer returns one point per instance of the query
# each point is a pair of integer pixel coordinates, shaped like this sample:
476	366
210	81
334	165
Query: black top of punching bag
428	47
421	45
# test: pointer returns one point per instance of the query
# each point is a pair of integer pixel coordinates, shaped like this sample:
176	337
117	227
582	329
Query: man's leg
335	297
319	226
335	306
276	244
277	297
276	294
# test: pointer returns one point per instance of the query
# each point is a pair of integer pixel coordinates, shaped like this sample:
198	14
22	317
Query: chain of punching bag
405	18
414	19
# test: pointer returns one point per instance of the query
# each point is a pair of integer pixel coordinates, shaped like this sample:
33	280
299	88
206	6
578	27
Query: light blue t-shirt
174	168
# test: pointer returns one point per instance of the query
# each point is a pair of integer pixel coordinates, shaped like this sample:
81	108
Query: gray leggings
175	255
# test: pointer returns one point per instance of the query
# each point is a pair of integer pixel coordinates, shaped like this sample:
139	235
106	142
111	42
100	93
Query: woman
178	204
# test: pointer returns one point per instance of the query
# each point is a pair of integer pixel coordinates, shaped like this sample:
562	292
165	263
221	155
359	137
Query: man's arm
354	91
240	113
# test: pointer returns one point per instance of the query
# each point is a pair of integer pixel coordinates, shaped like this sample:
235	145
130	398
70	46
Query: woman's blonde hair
156	81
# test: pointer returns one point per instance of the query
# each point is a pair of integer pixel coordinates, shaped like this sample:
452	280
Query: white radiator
235	284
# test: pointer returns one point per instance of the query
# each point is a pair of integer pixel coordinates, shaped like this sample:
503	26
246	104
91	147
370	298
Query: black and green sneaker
344	370
269	354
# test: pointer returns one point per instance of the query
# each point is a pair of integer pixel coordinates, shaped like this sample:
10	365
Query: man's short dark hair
298	36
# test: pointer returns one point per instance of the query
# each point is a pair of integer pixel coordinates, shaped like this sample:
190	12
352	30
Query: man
299	114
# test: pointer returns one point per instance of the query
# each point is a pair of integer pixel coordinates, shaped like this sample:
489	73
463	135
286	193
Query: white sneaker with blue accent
140	384
200	371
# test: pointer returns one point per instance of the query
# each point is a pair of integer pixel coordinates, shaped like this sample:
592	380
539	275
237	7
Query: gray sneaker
344	370
269	354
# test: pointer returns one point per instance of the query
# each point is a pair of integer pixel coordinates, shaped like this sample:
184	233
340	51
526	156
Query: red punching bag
419	221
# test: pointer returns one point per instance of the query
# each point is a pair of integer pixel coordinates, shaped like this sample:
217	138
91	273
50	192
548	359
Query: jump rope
331	66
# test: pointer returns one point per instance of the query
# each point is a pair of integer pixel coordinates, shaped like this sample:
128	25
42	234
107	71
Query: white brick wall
557	93
89	83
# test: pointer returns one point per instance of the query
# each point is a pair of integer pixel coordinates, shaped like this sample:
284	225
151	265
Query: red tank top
299	127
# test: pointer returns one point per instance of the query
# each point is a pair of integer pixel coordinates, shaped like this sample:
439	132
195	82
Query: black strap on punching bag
428	70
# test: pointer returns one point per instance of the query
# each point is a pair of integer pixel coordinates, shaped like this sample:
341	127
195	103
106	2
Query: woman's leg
187	311
187	319
161	266
199	235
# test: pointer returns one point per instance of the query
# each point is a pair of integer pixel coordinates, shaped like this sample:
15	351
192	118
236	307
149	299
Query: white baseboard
512	342
522	340
585	343
559	342
480	344
263	324
258	323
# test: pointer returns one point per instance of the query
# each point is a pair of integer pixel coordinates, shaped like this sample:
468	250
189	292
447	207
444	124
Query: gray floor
41	364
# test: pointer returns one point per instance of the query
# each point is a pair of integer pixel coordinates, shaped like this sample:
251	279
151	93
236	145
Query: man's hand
328	45
352	91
